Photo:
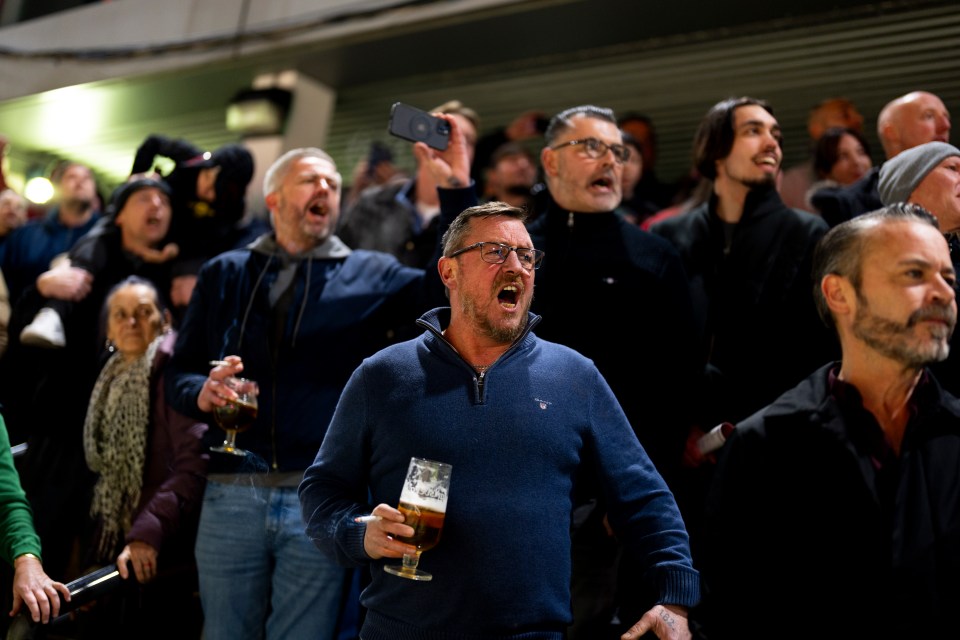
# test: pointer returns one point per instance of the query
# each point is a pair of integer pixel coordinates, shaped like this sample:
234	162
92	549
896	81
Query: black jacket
758	326
600	270
800	543
839	204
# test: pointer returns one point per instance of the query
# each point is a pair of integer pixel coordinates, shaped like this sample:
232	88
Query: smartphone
416	125
379	153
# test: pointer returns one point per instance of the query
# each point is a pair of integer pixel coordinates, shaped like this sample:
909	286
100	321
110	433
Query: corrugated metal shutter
869	59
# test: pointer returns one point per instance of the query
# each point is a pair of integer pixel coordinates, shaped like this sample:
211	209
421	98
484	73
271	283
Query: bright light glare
38	190
71	116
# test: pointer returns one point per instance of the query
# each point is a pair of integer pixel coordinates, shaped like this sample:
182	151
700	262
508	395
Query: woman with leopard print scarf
150	459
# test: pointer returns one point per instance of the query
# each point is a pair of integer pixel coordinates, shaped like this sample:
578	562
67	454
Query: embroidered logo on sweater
543	403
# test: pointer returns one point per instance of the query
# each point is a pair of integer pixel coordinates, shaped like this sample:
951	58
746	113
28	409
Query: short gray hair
564	120
281	167
454	236
840	251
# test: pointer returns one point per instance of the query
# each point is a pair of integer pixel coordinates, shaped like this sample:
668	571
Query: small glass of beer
237	415
423	502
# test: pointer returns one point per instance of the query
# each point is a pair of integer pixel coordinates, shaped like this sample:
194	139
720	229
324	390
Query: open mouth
603	183
768	161
318	209
508	296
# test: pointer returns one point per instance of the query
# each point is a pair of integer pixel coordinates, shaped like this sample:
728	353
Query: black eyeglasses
496	253
597	149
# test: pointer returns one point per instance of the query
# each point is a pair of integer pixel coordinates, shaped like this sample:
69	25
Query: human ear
838	292
548	160
448	271
272	201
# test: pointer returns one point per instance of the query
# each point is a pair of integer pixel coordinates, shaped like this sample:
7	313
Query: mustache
515	281
946	314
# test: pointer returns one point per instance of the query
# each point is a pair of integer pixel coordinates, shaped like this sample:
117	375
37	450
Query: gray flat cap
901	174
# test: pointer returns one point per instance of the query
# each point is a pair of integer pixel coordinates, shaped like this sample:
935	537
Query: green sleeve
17	535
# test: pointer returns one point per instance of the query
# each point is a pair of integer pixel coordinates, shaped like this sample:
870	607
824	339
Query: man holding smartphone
400	218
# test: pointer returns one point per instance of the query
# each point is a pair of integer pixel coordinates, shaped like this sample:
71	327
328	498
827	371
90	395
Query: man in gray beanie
929	175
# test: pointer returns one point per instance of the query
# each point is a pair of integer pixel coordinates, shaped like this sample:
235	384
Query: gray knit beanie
903	173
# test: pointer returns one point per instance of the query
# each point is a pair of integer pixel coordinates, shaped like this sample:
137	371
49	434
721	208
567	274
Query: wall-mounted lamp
258	112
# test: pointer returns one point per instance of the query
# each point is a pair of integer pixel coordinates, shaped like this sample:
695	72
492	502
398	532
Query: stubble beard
300	230
895	339
500	333
78	204
766	183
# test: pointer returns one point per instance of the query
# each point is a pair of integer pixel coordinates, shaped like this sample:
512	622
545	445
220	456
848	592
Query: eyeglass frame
602	148
538	254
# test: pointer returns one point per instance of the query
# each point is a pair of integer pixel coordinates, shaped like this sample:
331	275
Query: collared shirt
866	433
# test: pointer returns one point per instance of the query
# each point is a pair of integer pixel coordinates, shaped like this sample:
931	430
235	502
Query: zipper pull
570	220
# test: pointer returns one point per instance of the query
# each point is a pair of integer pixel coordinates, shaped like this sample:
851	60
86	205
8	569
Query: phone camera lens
420	127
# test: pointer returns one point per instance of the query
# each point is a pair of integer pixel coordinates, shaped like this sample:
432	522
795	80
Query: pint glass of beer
423	502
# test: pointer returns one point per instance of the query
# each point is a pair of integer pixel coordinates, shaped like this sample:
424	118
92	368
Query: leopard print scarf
115	443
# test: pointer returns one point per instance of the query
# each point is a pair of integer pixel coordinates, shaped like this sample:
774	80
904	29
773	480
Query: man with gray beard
851	480
929	175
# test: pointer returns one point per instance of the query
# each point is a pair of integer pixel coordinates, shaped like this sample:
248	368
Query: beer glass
423	502
237	415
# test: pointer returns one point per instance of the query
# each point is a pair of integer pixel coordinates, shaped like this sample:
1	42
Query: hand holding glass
237	415
423	502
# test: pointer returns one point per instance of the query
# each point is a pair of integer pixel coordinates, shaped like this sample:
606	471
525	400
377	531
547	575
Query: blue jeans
260	576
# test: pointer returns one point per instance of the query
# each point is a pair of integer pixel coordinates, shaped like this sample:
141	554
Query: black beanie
122	193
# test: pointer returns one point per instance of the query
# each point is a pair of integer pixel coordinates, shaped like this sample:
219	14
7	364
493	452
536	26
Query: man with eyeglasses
519	419
599	268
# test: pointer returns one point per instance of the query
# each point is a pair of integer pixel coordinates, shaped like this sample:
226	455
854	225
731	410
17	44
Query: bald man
905	122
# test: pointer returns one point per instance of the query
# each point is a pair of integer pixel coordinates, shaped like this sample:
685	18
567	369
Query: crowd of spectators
120	321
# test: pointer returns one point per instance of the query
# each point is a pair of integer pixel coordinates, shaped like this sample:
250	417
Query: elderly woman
149	458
